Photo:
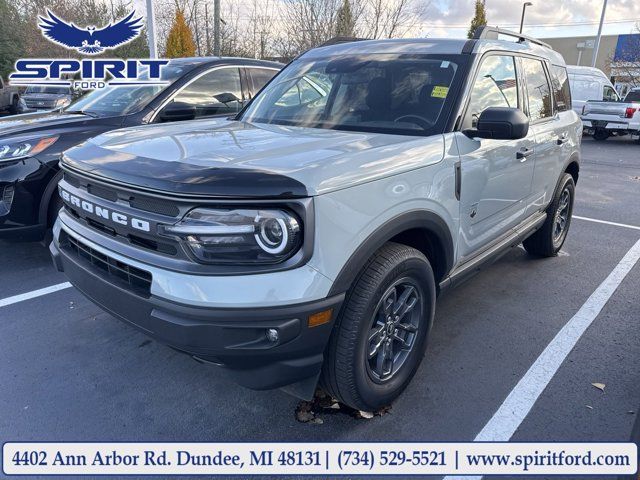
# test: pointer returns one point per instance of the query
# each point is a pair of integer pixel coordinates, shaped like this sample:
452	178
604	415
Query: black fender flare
47	195
415	219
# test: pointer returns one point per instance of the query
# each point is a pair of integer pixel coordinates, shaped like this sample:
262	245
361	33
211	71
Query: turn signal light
320	318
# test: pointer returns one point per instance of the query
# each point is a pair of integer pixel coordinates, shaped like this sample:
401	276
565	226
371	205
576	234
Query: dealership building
618	56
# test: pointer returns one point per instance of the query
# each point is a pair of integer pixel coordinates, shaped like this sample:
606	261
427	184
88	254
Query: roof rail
339	40
485	32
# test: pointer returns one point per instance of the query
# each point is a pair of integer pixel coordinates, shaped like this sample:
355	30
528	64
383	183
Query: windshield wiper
82	112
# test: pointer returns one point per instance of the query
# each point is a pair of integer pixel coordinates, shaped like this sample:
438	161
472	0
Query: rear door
495	182
550	123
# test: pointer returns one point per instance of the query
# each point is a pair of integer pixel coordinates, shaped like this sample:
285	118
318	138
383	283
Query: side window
561	89
609	94
495	86
538	90
215	93
305	91
259	78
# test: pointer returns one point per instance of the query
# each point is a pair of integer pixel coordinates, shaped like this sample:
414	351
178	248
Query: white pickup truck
604	119
9	97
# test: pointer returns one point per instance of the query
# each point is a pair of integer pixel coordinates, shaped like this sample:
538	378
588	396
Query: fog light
6	200
272	335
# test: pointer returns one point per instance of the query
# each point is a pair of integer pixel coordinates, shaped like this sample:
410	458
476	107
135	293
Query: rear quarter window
561	88
260	77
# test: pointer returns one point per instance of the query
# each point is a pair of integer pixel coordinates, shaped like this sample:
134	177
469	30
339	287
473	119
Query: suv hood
34	123
237	159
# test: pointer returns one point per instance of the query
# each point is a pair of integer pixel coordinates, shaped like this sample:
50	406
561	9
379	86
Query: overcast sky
450	18
545	18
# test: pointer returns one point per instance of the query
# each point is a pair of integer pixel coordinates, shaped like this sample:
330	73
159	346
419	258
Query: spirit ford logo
105	213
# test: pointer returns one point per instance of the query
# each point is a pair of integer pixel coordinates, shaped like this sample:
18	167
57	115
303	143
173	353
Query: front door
495	175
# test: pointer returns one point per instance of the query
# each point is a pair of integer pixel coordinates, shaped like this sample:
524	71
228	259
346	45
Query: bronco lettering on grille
105	213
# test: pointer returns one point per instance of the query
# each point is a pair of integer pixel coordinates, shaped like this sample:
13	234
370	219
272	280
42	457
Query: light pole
597	45
524	7
151	30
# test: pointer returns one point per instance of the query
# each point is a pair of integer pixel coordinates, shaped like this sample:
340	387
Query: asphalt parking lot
68	371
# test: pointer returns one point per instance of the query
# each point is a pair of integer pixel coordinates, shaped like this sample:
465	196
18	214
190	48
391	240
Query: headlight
15	150
62	102
238	236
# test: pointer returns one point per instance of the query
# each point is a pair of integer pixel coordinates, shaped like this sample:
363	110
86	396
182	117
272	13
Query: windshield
387	93
50	90
122	100
633	96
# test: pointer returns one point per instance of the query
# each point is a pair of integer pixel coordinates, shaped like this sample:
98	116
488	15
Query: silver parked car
39	98
306	239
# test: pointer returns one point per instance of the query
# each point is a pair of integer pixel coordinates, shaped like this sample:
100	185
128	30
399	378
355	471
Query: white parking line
524	395
595	220
34	293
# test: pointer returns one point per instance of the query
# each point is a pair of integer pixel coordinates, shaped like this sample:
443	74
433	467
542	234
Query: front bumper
232	337
22	185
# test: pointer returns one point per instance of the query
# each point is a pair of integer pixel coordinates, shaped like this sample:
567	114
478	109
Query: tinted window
495	86
388	93
260	77
609	94
633	96
215	93
538	91
561	90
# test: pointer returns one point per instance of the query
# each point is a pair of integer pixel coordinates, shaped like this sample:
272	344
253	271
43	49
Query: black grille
154	206
102	193
71	180
137	280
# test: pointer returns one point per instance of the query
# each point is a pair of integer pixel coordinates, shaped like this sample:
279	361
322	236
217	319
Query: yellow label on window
439	91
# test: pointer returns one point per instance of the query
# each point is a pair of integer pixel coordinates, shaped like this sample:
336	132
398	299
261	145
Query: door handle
523	154
562	139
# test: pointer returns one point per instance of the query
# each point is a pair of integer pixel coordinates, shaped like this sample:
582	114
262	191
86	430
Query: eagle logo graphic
89	40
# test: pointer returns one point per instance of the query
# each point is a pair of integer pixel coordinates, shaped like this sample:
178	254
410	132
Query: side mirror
176	111
501	123
226	97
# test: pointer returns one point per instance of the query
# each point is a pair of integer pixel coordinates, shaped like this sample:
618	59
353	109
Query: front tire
548	240
380	336
13	108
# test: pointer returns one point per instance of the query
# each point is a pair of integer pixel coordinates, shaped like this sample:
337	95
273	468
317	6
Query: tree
180	41
479	19
11	45
389	18
344	20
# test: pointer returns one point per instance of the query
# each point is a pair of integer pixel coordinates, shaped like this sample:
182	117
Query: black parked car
31	144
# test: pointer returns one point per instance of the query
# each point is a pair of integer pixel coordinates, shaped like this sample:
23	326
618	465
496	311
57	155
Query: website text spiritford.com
471	458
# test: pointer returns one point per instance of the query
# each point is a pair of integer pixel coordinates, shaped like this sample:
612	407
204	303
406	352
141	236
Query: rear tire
601	134
548	240
380	336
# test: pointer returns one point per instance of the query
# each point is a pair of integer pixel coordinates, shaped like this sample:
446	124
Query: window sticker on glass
440	91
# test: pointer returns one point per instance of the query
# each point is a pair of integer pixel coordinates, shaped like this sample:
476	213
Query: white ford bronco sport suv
305	240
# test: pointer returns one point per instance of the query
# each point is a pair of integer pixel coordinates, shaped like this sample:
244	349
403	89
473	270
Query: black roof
192	62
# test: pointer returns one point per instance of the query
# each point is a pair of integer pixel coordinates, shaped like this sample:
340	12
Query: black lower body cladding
234	338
